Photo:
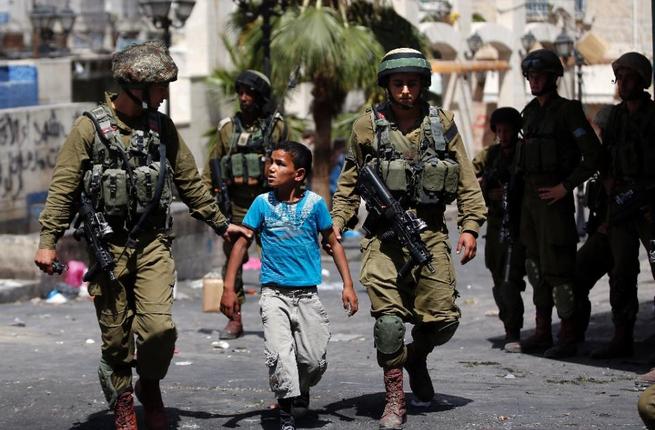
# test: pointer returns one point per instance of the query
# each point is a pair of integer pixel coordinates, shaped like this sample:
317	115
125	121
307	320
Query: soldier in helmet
243	145
124	157
419	154
630	180
503	252
559	152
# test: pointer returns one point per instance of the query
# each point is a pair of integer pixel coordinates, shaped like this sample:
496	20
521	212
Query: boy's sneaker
300	405
287	421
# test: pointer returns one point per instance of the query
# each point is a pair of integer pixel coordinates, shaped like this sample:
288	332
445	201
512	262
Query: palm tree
335	57
337	44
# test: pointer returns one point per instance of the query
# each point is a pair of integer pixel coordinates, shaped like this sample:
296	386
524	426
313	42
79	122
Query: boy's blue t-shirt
289	236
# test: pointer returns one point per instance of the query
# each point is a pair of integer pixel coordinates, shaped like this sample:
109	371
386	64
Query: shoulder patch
223	122
451	133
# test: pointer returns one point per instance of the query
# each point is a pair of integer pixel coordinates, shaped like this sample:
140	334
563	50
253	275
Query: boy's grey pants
296	334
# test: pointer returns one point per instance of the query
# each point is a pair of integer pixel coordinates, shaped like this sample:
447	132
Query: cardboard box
212	290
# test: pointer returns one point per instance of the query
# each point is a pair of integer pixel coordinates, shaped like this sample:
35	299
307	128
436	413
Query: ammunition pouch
145	181
438	182
395	174
114	192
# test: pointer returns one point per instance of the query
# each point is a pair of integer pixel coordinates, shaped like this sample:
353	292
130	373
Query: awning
445	66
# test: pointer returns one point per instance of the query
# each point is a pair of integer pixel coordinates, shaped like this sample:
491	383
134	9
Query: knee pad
532	270
444	332
104	374
389	334
564	300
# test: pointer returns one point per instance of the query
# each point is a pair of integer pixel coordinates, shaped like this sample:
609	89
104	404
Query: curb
14	290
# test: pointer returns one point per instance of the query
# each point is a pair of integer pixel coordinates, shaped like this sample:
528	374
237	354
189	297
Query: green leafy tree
337	45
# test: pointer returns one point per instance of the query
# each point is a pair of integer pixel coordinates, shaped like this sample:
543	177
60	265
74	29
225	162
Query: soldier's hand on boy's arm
234	231
230	305
44	259
326	243
349	299
468	243
552	193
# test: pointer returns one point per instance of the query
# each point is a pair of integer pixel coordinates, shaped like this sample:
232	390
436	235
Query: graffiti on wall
29	143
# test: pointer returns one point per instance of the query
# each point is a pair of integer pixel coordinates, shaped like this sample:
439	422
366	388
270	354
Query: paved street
50	353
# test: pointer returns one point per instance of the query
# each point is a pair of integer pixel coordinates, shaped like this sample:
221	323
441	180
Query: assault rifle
92	226
270	126
405	225
222	195
580	222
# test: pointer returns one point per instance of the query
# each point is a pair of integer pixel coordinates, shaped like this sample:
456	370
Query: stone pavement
50	353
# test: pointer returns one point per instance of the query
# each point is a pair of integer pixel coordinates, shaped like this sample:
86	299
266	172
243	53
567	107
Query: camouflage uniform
139	303
494	168
559	147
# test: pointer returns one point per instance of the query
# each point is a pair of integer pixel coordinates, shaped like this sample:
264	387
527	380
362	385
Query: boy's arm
229	301
348	296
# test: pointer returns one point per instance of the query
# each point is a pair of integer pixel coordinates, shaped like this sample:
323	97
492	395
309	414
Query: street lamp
43	19
528	41
251	10
474	43
564	45
158	11
565	48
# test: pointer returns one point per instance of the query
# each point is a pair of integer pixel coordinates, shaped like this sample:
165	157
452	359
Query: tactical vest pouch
226	168
254	167
394	174
439	181
115	194
238	167
145	179
93	182
433	177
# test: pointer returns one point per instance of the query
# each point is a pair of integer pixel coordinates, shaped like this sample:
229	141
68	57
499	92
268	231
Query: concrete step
14	290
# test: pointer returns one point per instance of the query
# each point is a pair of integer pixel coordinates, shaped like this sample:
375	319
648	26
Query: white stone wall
30	138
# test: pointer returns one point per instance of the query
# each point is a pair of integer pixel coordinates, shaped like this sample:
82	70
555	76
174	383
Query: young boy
296	330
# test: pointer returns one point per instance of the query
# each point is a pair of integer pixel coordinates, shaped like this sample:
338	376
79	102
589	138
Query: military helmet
542	60
404	60
506	115
255	81
143	64
638	64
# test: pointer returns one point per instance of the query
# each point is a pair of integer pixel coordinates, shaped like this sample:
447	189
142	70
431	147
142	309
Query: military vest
429	178
548	148
122	181
629	142
247	152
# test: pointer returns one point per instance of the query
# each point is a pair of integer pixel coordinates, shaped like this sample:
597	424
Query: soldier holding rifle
415	150
118	166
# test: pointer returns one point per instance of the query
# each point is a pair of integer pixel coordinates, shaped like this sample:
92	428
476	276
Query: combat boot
542	338
512	340
394	414
566	341
124	416
149	394
419	377
233	329
621	344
